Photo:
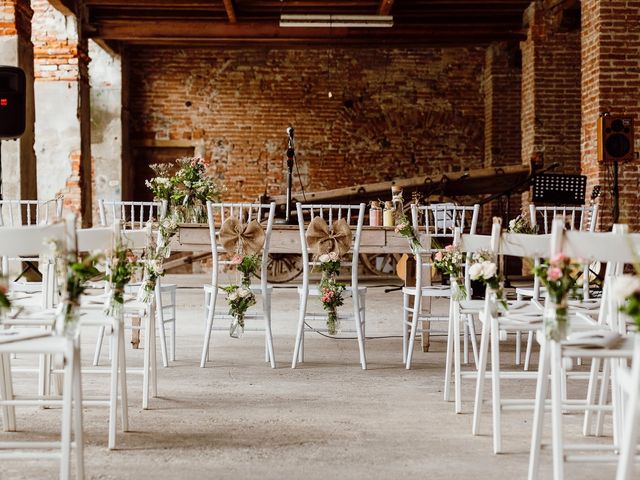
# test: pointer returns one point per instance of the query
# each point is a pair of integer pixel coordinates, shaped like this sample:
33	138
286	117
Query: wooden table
285	239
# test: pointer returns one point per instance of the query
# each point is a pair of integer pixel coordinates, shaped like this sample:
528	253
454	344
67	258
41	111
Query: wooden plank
231	13
385	7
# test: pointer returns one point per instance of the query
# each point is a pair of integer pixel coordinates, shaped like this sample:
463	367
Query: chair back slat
218	213
602	246
30	239
470	243
135	215
30	212
578	218
441	219
523	245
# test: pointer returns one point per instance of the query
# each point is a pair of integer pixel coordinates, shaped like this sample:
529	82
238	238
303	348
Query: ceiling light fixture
336	21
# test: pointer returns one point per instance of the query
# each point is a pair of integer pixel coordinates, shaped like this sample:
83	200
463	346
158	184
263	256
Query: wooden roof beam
385	7
231	12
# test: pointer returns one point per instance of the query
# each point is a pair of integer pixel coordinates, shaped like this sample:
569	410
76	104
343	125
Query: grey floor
240	419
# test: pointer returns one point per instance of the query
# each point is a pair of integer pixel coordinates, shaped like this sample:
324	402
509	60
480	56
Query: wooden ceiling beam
270	31
231	13
385	7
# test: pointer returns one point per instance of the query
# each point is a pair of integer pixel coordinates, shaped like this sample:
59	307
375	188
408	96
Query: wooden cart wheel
283	267
380	264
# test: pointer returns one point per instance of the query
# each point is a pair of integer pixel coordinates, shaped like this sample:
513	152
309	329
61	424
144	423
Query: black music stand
559	189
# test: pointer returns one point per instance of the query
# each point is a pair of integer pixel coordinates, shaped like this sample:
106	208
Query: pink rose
449	248
438	257
554	273
236	260
3	289
558	258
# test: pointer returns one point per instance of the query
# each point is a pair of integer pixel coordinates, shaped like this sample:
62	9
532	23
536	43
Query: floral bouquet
153	269
560	277
240	297
448	261
167	228
626	290
331	289
122	264
485	270
161	185
5	303
405	229
521	224
192	189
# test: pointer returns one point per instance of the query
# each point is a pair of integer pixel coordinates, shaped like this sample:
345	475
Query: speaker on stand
13	101
615	144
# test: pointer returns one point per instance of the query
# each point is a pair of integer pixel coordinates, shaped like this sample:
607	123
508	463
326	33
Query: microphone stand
291	155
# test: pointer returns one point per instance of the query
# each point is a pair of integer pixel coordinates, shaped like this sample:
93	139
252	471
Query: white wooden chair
439	222
580	218
136	215
616	249
217	213
136	240
15	213
629	380
354	216
16	242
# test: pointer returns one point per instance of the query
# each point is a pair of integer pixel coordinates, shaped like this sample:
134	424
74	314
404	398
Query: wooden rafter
231	12
385	7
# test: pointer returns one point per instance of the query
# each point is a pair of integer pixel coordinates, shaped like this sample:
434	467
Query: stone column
63	137
610	83
16	49
550	116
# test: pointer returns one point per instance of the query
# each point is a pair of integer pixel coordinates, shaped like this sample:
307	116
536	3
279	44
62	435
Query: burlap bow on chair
240	238
322	241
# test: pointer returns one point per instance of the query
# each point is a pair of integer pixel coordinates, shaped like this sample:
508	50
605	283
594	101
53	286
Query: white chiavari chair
629	380
439	222
245	213
28	240
354	216
136	215
15	213
617	249
579	218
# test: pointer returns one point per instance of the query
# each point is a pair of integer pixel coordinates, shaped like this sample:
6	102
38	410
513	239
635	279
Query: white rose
232	296
489	270
624	286
333	256
324	258
512	223
244	292
475	271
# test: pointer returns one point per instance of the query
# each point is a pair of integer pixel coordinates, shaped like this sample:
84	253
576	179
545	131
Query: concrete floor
239	419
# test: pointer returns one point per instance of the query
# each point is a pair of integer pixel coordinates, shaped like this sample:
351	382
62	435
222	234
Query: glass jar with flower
484	269
560	276
330	289
239	296
448	261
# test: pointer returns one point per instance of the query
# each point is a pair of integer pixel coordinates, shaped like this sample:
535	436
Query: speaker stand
616	194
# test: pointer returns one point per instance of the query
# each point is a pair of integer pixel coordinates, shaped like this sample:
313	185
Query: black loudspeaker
615	138
13	85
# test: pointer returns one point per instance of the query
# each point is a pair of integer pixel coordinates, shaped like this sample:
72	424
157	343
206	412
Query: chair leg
604	394
449	358
65	440
160	326
542	387
113	392
415	313
6	393
267	323
556	411
527	355
153	356
591	396
96	355
124	396
456	359
518	348
78	432
405	321
211	308
631	433
474	339
358	320
173	324
300	333
495	387
465	337
482	368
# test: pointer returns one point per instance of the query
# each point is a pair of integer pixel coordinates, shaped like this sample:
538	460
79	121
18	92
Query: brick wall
551	89
393	112
15	17
610	83
501	87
